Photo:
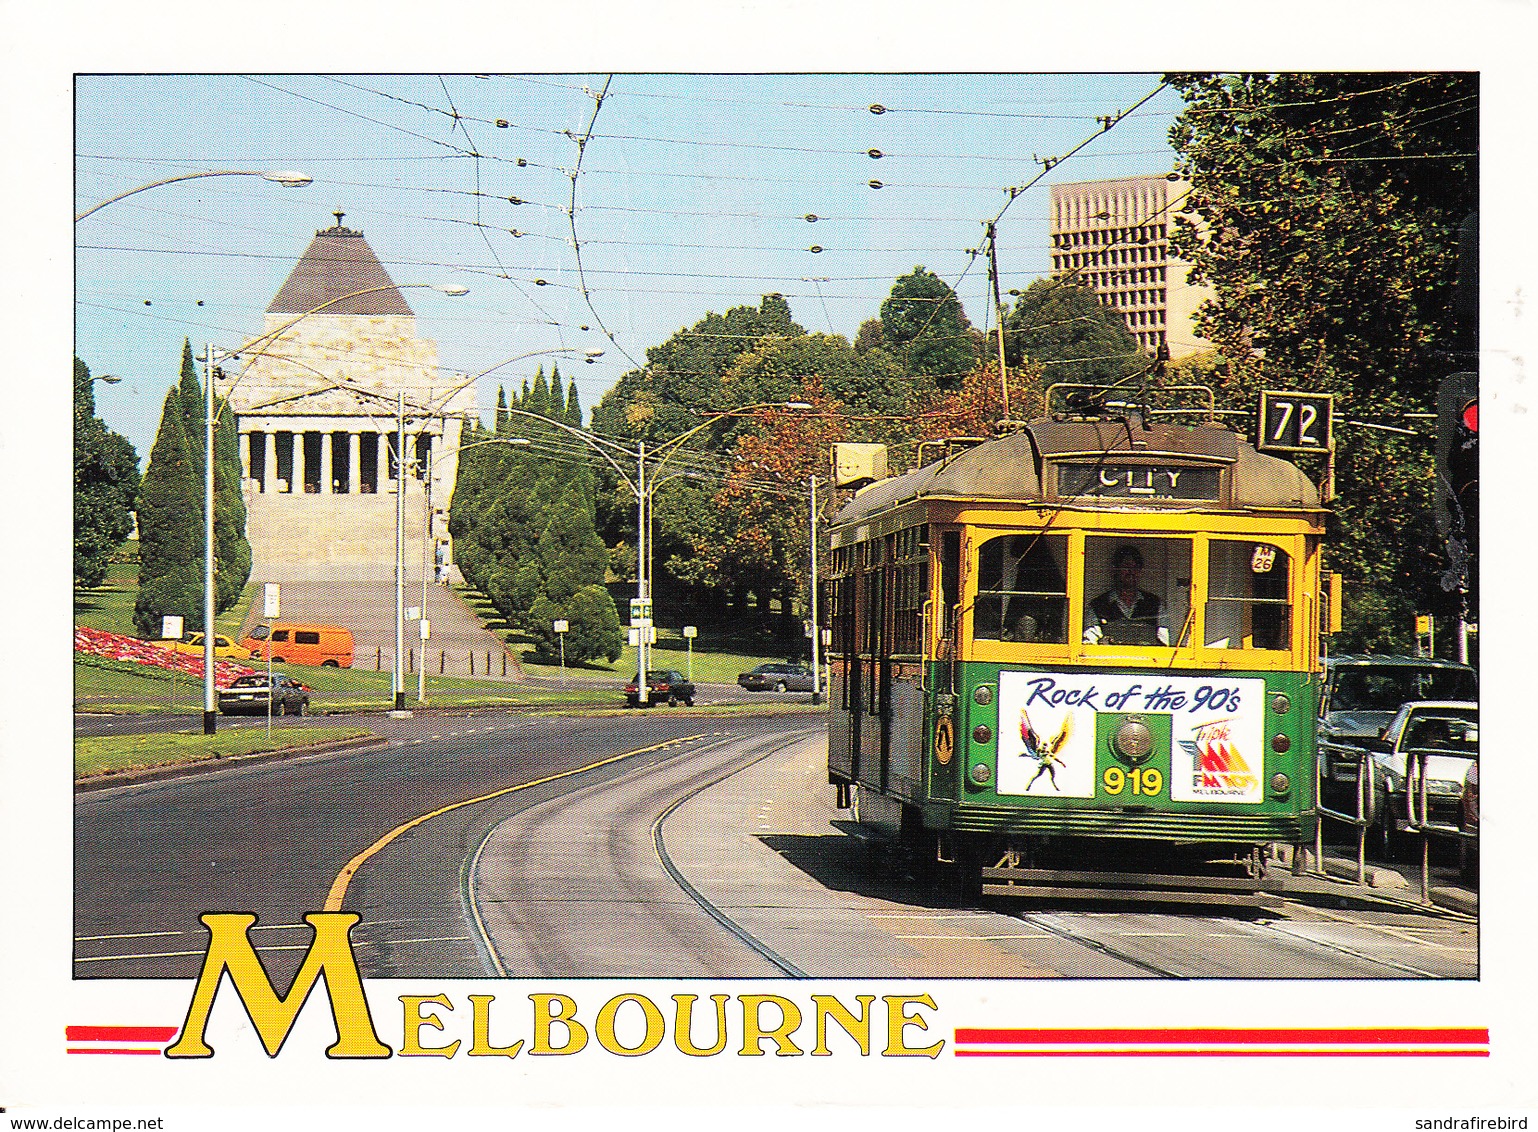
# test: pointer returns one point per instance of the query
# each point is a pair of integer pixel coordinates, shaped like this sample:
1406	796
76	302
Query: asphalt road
487	844
273	838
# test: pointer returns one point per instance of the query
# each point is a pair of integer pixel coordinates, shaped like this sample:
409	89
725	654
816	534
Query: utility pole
812	606
998	307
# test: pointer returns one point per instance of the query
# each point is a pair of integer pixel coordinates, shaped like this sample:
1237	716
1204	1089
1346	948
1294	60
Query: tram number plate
1295	422
1146	781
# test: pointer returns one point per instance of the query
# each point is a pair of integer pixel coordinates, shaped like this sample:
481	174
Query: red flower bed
115	647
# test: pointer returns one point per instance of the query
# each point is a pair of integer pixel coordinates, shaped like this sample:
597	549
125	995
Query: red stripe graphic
1220	1042
151	1039
119	1033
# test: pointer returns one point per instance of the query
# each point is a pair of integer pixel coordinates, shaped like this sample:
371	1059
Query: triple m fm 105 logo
627	1024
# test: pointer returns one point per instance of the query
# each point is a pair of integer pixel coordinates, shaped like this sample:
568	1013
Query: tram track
538	910
752	942
1186	932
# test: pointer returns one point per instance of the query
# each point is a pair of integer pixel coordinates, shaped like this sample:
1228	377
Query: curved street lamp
643	490
285	177
210	702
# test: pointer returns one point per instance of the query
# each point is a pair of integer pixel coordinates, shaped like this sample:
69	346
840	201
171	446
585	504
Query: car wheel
299	708
1382	838
277	660
689	702
329	664
672	701
779	686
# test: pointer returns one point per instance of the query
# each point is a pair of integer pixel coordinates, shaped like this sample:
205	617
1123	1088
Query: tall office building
1114	237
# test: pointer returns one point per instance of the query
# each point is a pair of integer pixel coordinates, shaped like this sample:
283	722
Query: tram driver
1126	614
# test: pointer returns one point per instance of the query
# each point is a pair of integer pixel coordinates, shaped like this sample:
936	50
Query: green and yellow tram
1083	658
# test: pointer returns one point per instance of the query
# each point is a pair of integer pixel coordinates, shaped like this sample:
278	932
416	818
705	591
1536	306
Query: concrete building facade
319	406
1114	237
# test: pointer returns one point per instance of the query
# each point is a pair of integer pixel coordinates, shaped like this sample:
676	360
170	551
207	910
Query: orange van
329	646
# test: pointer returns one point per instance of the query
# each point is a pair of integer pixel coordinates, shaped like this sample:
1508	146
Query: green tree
682	377
106	485
232	551
925	329
593	628
170	529
1324	215
1063	327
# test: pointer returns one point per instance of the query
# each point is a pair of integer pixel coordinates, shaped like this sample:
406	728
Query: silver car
777	678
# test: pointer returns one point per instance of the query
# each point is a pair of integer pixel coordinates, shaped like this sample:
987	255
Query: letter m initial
330	954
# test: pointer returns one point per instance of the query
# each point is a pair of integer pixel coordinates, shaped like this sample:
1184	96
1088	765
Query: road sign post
690	632
561	628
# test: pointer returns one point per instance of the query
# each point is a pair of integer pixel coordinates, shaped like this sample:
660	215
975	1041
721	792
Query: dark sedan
662	686
251	694
777	678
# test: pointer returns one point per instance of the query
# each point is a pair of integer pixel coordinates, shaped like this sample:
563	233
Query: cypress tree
170	530
232	552
189	392
538	401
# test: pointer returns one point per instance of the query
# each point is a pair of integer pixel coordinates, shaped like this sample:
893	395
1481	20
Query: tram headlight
980	773
982	733
1133	741
1281	704
983	695
1280	783
1281	743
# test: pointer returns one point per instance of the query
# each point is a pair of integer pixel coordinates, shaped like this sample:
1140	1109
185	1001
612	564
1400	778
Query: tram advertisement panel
1138	736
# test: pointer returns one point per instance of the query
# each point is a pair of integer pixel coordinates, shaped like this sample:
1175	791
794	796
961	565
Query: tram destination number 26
1295	422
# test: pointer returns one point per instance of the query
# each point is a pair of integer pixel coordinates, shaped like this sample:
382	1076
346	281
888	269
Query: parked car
778	678
224	648
1360	695
329	646
662	686
251	694
1442	734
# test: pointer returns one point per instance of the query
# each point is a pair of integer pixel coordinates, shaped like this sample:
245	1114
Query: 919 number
1146	781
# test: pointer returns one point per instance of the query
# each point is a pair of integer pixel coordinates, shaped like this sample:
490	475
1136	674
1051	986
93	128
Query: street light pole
210	704
397	687
285	177
644	489
640	572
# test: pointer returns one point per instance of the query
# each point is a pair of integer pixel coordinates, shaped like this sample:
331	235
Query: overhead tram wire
355	114
576	242
1107	123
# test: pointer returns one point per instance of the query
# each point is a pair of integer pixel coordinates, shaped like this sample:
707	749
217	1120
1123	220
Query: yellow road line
338	891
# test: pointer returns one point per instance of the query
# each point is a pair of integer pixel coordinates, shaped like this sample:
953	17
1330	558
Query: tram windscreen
1249	601
1136	590
1022	592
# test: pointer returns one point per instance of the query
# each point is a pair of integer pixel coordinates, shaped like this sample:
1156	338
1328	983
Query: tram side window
1022	592
1137	590
1249	603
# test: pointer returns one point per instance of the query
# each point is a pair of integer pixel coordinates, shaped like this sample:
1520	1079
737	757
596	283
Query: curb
109	779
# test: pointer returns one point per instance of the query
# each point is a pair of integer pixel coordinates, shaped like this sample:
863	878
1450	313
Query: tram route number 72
1295	422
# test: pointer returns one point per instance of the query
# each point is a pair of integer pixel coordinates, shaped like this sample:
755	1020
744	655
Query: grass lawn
99	754
110	606
103	685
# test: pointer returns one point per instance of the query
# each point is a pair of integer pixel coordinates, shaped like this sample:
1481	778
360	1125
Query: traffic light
1458	464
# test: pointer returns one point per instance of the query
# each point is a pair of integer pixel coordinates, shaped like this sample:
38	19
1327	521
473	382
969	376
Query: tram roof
1010	468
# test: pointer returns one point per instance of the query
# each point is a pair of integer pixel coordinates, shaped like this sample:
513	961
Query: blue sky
691	196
